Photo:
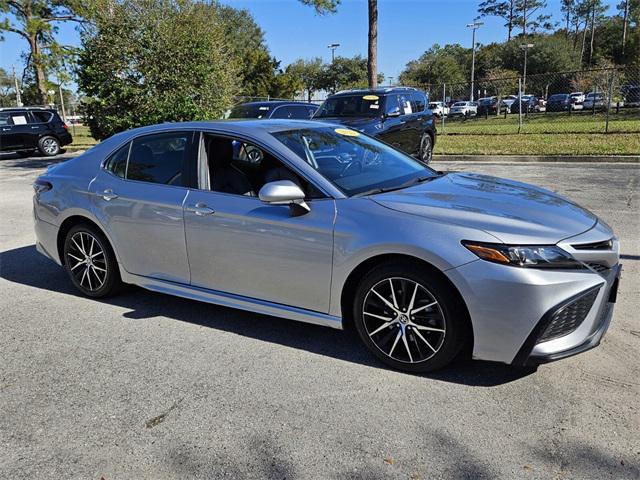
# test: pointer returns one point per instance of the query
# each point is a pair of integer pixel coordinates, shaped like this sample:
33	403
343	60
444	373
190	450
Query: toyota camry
323	224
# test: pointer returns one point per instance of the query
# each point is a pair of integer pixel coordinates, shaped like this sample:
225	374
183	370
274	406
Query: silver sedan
322	224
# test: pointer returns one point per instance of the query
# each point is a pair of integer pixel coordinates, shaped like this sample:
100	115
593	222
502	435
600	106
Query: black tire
426	149
49	146
90	280
453	319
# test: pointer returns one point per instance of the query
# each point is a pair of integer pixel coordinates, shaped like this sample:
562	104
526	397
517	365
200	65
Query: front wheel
409	318
426	149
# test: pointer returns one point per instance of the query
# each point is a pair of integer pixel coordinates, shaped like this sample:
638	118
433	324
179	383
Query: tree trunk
38	69
510	25
625	22
584	40
593	32
524	18
372	59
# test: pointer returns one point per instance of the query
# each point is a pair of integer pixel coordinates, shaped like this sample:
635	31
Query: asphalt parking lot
149	386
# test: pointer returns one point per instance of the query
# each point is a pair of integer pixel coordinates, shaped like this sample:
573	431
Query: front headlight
532	256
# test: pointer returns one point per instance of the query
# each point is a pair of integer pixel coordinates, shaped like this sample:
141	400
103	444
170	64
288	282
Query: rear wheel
409	318
90	262
426	149
49	146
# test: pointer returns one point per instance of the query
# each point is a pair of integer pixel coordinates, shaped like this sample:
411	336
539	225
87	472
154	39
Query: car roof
377	91
275	103
253	127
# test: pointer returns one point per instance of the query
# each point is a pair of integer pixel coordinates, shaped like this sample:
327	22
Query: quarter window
41	117
117	163
158	158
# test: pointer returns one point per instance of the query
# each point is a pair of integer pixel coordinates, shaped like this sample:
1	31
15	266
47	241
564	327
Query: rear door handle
108	195
6	129
200	209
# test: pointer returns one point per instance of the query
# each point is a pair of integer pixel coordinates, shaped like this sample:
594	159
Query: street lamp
333	47
525	47
474	26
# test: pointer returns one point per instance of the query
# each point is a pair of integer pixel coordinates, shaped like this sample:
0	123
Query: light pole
525	47
333	47
474	26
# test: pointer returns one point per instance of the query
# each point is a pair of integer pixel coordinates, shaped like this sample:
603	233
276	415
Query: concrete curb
538	158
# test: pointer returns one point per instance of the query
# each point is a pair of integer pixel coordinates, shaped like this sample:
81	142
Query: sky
406	28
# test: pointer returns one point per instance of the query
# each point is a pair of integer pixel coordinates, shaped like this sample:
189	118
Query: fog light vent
567	318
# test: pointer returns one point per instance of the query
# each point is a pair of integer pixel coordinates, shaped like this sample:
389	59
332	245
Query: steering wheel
370	158
351	168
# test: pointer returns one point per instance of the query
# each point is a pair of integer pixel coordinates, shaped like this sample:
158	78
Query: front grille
605	245
568	317
598	267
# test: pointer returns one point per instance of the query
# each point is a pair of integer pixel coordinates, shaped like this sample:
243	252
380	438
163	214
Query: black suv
398	116
25	129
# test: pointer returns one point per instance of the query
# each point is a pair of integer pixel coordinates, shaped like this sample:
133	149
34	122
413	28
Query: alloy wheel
87	261
426	151
404	320
50	146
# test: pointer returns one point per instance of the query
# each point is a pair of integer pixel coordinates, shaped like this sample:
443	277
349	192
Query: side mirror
393	113
284	192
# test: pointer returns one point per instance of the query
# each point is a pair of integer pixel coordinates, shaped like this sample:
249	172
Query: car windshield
353	162
460	104
365	105
250	111
558	97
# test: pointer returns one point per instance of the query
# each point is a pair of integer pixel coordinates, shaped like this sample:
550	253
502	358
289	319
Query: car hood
369	125
513	212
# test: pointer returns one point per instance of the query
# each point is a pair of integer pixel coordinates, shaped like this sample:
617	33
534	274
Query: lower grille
598	267
567	318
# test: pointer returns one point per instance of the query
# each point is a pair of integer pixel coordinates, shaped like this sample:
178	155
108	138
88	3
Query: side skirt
233	301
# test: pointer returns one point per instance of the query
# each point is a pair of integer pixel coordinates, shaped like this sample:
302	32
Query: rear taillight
40	186
66	127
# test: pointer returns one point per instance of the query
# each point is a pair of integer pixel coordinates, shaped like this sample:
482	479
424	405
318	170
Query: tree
36	21
330	6
308	73
7	89
345	73
438	65
152	61
505	9
246	41
526	19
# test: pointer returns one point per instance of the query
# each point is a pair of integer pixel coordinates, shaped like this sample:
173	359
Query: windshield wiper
410	183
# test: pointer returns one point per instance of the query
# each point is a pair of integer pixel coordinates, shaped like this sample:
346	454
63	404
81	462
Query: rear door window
159	158
5	118
283	112
419	100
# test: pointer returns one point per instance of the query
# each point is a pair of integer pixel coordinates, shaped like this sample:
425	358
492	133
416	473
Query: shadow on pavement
26	266
14	160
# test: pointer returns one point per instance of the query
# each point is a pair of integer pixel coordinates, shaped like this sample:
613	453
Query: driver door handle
108	195
200	209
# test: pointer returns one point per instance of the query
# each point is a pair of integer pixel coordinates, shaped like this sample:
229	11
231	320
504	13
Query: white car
577	97
464	109
439	109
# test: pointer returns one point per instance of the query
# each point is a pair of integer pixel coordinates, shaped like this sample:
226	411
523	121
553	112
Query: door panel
240	245
146	225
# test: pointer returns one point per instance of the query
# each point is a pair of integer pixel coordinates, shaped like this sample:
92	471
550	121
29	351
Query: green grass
540	144
627	121
82	139
505	143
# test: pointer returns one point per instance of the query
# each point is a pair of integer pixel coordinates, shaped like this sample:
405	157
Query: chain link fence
580	102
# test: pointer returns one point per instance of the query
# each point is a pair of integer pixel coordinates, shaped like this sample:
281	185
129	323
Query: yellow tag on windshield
370	97
346	132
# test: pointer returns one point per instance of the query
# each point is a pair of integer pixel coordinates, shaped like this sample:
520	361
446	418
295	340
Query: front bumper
590	330
507	305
